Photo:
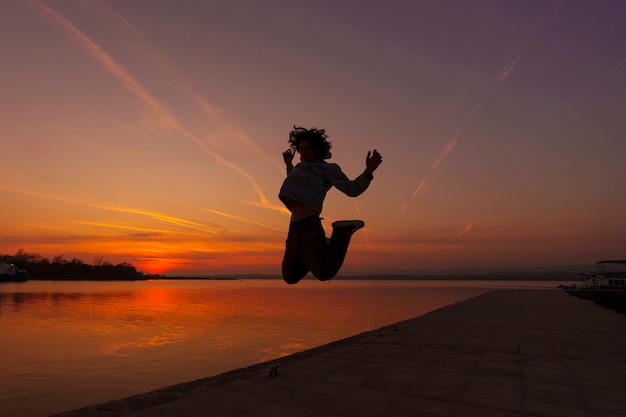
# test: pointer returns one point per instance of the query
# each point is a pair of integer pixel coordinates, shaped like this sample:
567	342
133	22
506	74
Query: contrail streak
603	78
132	128
135	41
445	151
157	216
367	239
415	193
239	218
44	196
111	66
520	49
125	227
465	230
508	70
275	207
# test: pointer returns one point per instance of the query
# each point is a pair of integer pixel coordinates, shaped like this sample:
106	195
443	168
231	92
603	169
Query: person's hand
372	161
288	157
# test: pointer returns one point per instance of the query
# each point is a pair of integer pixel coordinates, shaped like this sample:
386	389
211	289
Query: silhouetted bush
39	267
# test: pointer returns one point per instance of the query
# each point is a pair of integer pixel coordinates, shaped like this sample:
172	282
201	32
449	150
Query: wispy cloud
188	224
43	196
106	62
126	227
141	47
158	216
271	206
239	218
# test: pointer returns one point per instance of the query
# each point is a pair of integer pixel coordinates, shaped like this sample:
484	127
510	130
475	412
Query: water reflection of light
112	339
122	348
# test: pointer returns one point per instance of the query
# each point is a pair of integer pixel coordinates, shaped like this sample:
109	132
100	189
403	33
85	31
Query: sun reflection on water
105	340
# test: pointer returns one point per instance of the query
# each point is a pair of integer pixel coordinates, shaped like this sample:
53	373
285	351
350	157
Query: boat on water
609	275
11	273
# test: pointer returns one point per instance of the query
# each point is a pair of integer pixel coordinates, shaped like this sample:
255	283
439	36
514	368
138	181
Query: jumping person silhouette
307	249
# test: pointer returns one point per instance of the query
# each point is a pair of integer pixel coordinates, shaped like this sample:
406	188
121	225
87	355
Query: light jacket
308	182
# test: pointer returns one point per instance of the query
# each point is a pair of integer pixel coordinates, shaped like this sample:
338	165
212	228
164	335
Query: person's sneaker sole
354	224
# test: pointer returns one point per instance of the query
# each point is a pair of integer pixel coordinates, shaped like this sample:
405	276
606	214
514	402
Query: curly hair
316	137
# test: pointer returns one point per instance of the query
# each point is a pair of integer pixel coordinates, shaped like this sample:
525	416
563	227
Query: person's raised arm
372	161
288	158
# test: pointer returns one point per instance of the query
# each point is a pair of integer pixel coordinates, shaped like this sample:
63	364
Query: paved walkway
504	353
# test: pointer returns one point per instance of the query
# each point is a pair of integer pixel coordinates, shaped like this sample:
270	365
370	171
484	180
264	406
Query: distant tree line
39	267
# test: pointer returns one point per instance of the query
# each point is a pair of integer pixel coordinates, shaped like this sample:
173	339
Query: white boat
11	273
609	275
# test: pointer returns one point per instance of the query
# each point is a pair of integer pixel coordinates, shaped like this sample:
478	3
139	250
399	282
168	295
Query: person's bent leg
315	250
324	257
339	243
293	268
293	272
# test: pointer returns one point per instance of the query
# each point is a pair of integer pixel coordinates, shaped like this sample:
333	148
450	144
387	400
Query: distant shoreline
381	277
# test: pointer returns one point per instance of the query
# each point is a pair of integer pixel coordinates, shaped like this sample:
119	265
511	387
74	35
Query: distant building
608	275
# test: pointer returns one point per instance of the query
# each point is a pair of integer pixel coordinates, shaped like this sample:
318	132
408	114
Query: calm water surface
67	344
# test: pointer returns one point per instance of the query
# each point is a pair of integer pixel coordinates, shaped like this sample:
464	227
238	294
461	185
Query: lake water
69	344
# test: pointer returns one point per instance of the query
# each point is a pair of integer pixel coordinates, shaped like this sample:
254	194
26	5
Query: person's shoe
350	225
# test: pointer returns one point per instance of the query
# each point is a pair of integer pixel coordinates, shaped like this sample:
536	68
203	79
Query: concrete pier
505	353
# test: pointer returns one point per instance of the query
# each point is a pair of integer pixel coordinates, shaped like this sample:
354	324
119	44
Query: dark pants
307	249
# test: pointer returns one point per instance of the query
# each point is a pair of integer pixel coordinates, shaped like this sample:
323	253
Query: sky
152	131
